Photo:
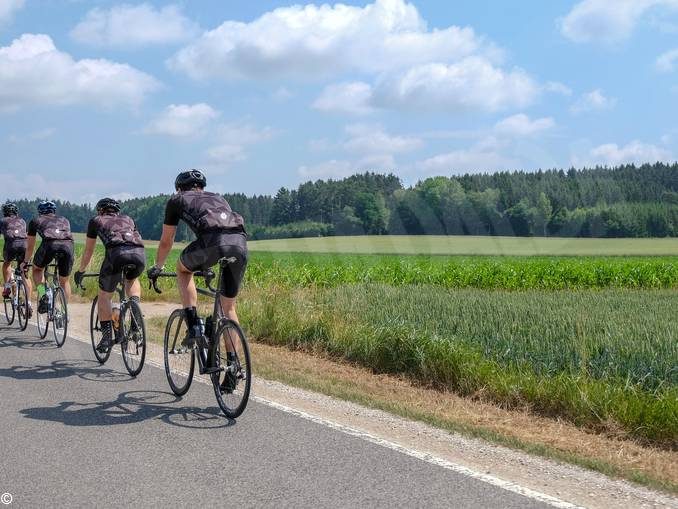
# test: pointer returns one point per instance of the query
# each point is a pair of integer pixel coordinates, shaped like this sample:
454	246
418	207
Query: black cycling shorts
14	251
198	256
115	261
60	250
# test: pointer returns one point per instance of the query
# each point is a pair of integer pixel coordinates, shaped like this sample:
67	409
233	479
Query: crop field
590	339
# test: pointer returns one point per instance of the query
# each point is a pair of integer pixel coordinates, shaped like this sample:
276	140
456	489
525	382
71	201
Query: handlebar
91	274
208	275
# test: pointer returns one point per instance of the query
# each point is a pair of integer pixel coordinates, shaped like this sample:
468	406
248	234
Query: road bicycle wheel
133	331
9	309
179	363
23	305
95	333
59	317
43	322
232	384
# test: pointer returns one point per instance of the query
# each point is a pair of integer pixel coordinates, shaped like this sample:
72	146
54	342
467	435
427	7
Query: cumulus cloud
594	100
611	154
607	21
521	125
558	88
373	140
311	41
183	120
33	71
233	140
472	84
328	169
8	8
353	98
128	26
484	156
666	62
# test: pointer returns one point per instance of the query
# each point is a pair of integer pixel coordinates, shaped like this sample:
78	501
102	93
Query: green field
470	245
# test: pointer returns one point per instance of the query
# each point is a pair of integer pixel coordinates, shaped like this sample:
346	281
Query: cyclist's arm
87	253
166	243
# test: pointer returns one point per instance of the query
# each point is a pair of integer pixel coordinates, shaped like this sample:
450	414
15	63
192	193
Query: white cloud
558	88
33	71
610	154
484	156
372	139
232	141
470	84
328	169
594	100
129	26
521	125
607	21
8	8
183	120
311	41
29	185
352	98
666	62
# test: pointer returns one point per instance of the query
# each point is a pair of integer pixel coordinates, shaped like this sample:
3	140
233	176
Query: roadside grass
605	361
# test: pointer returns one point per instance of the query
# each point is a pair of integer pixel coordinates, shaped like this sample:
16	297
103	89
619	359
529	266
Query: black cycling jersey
208	215
13	228
114	230
51	227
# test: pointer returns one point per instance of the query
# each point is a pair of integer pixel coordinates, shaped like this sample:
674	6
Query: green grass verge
602	360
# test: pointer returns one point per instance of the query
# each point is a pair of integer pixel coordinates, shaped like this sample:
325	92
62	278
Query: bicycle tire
179	367
23	305
232	403
42	320
95	332
10	311
133	345
59	317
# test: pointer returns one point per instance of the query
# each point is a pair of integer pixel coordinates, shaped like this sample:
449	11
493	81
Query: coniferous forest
627	201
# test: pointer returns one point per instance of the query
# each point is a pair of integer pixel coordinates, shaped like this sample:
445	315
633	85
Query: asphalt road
76	434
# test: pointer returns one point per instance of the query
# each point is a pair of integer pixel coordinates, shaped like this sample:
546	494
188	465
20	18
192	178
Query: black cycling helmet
187	180
108	204
10	209
46	207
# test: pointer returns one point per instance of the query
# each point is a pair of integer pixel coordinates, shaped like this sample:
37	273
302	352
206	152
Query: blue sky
114	98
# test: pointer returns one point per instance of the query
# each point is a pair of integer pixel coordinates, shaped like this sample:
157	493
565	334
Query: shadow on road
26	343
129	408
87	370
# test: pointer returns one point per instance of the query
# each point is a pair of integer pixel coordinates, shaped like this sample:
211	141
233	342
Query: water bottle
208	327
48	292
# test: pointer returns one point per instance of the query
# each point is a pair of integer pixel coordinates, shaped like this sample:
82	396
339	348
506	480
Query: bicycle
18	302
231	379
129	330
57	310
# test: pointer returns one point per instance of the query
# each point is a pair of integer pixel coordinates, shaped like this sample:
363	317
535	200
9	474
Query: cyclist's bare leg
133	288
186	284
65	283
38	275
104	307
228	309
6	272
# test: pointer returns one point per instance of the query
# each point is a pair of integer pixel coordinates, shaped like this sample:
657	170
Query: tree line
626	201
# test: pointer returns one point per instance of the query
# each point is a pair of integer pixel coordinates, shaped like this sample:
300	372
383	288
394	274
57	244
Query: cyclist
57	243
220	234
13	228
124	247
